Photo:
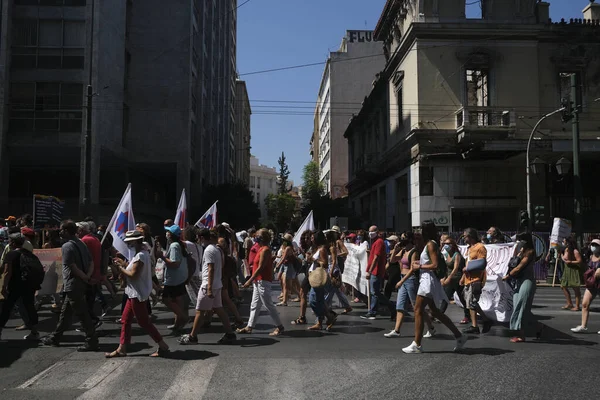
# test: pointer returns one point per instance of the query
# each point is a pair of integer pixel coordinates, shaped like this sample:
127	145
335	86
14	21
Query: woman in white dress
430	292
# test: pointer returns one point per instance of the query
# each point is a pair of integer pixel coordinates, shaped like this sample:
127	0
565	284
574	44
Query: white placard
355	267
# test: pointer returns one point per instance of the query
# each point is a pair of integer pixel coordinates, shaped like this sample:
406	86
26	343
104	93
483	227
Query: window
425	181
252	181
477	87
258	198
48	43
50	2
43	106
258	182
398	79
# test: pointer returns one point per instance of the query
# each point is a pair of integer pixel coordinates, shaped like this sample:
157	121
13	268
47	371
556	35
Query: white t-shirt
212	255
140	287
196	251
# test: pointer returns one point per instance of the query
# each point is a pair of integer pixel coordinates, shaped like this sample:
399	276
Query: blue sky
281	33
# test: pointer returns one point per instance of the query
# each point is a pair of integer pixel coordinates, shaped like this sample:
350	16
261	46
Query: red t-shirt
95	249
267	271
253	253
378	249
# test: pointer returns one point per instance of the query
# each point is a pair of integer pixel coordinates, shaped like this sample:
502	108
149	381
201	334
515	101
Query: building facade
263	182
243	112
346	80
163	93
443	134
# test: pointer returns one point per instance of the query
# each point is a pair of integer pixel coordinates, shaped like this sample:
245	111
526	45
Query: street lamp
537	166
528	165
563	166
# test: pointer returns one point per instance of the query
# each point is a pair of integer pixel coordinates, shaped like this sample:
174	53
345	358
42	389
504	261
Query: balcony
484	123
366	165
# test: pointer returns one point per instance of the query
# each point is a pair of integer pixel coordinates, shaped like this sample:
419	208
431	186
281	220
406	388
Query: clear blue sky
281	33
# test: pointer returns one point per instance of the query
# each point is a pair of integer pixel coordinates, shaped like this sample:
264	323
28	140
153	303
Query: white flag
121	222
181	215
307	225
209	219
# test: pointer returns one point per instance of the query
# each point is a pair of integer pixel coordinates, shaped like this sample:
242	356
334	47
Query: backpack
32	270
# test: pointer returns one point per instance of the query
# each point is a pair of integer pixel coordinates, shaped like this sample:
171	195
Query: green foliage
236	205
280	210
284	174
312	188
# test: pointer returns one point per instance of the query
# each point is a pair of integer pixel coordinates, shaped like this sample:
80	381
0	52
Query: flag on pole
121	222
209	219
307	225
181	216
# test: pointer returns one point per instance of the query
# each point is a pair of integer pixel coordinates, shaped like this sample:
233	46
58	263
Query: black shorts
305	285
172	292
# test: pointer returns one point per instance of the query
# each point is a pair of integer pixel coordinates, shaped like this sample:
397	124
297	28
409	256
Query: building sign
360	36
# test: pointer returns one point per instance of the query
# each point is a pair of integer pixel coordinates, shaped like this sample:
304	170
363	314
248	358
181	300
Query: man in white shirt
196	250
209	296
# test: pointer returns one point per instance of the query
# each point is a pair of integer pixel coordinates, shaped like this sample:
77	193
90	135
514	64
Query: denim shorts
289	271
408	291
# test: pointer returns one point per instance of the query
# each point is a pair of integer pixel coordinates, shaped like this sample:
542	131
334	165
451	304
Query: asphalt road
353	361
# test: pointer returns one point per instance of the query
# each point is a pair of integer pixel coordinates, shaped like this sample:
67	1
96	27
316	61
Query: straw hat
318	277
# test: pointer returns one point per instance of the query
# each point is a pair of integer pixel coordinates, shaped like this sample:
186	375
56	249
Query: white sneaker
413	349
430	333
579	329
392	334
460	342
33	336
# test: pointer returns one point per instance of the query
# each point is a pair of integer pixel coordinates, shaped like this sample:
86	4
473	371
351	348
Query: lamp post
528	166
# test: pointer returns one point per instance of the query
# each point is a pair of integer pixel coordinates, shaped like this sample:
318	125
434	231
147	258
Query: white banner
181	214
355	267
121	222
307	225
496	296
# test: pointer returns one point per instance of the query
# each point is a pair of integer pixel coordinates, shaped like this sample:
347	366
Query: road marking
41	375
105	370
192	380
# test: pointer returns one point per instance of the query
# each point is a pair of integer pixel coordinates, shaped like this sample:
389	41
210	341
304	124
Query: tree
236	205
280	210
312	187
284	173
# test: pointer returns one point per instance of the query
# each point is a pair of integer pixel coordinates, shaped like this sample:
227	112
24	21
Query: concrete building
443	134
243	112
163	79
346	81
263	182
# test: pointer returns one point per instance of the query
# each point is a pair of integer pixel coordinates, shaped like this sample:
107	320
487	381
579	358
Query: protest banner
496	296
307	225
51	260
47	211
561	229
355	267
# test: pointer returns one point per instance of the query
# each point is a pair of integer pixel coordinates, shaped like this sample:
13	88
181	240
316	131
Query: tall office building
163	81
243	112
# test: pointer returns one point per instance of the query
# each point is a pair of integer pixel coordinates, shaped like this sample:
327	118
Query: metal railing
485	118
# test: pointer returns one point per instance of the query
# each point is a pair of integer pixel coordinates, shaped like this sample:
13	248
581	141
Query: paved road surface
354	361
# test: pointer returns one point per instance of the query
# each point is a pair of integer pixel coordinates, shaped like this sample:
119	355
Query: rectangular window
400	100
50	2
425	181
477	87
252	181
48	44
258	182
42	106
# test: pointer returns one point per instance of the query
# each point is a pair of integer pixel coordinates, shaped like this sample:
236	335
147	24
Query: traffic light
567	114
524	221
540	215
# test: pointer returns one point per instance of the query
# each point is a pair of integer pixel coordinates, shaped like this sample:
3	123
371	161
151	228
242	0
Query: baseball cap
174	229
596	241
393	238
11	218
27	232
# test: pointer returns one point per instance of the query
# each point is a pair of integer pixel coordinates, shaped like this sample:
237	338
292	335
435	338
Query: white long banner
496	296
355	267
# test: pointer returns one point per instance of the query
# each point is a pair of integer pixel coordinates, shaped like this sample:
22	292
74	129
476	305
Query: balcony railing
365	162
485	118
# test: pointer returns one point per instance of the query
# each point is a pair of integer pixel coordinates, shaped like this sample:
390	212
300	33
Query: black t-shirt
13	259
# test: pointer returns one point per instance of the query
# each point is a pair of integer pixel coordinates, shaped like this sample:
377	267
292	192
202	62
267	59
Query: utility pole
578	192
87	162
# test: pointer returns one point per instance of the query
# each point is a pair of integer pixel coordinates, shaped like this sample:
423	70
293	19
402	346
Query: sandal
576	309
247	330
296	300
299	321
281	304
316	327
347	311
517	339
160	353
566	307
115	354
278	331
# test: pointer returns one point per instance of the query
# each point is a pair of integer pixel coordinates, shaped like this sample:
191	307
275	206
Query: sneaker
465	321
21	328
33	336
368	316
171	327
579	329
188	339
471	329
98	324
105	311
487	325
413	349
227	338
50	341
430	333
392	334
460	343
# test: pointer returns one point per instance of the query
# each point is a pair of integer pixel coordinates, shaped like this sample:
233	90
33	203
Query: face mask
359	238
372	235
595	249
447	247
489	236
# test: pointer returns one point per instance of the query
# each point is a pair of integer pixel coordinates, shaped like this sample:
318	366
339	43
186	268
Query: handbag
318	277
159	270
477	265
590	280
336	279
514	263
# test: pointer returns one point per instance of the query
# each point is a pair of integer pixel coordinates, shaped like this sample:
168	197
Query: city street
353	361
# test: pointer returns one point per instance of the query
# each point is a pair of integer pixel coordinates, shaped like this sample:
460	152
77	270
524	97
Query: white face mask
595	249
372	235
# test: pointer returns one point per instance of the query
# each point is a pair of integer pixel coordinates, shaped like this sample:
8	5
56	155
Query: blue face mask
489	236
359	238
447	247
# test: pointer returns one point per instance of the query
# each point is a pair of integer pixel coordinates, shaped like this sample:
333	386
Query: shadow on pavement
248	341
304	334
190	355
552	336
484	351
12	350
356	330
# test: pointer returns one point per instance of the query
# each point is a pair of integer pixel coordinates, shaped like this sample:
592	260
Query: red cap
27	232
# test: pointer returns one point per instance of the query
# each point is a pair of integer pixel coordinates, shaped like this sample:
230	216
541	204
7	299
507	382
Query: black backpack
32	270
